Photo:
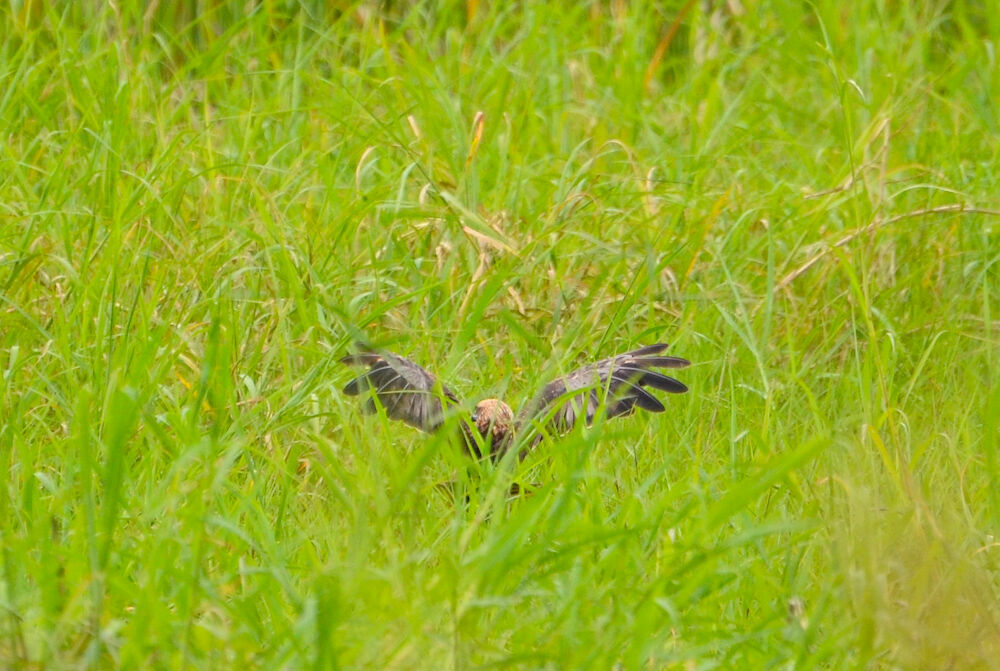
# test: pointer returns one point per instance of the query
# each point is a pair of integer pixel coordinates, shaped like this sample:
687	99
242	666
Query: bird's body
411	394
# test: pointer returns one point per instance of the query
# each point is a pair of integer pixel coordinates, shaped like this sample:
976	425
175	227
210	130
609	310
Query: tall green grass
203	204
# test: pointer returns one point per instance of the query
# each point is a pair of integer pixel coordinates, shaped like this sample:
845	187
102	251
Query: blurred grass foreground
202	204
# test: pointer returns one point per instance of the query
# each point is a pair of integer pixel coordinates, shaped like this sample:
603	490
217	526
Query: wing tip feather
647	350
351	388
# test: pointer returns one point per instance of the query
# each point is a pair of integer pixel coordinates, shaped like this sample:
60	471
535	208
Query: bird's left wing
620	381
406	390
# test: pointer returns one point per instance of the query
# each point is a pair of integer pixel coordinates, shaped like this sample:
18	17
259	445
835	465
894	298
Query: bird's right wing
407	391
618	384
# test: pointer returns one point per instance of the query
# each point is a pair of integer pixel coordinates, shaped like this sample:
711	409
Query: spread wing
620	381
406	390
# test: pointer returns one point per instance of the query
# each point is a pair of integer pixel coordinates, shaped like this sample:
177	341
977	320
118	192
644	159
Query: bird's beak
475	417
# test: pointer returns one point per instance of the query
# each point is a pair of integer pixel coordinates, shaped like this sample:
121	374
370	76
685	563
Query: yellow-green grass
203	204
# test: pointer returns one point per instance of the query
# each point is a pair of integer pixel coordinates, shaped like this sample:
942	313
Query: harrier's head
495	422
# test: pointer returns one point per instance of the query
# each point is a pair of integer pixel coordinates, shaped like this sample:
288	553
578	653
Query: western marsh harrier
409	393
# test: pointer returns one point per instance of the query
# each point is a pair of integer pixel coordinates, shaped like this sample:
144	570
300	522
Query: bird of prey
410	393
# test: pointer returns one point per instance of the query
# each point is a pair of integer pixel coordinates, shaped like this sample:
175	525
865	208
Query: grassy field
203	204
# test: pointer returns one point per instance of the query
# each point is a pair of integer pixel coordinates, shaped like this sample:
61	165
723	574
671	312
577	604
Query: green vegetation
202	205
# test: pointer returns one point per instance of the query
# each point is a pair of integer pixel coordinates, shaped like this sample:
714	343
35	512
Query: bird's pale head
495	422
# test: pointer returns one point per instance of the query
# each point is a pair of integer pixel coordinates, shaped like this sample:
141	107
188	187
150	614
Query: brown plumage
411	394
